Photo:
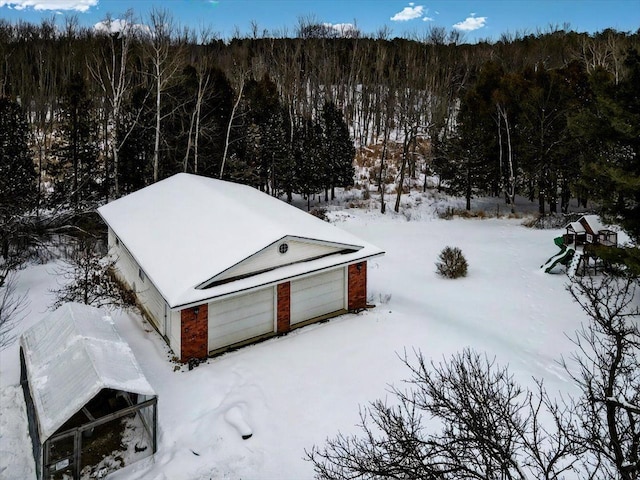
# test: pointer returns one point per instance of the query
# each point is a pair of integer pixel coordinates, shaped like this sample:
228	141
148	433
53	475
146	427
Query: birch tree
203	68
110	69
166	62
240	78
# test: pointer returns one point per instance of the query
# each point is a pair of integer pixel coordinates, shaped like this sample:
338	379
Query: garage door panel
238	335
314	281
242	309
230	325
241	318
319	310
335	285
317	295
258	301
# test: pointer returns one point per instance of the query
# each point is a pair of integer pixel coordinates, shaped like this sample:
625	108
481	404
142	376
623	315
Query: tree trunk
512	175
405	154
156	143
233	113
185	160
196	139
202	86
468	191
381	177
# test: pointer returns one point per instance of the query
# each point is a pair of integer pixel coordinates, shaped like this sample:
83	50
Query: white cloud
343	29
427	19
118	25
471	23
409	13
77	5
113	26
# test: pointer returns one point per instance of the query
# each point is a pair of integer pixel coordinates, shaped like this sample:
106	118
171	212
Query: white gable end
287	251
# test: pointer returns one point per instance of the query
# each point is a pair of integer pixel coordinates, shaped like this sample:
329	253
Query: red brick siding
195	333
284	307
357	278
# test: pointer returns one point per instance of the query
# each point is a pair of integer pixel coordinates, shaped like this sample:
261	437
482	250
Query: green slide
564	257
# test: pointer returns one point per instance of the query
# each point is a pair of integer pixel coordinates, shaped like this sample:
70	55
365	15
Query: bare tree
12	309
489	427
608	373
509	187
202	67
110	70
240	82
166	63
88	277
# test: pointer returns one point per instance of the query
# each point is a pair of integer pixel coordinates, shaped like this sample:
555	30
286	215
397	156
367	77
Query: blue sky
477	19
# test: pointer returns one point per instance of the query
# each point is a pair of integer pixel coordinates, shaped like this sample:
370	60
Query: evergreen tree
610	129
339	150
543	132
77	150
308	153
468	164
17	174
17	178
216	111
136	139
262	104
462	167
278	154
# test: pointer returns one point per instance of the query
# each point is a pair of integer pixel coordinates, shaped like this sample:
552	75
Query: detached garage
216	265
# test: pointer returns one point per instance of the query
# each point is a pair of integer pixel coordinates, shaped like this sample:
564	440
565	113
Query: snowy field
295	391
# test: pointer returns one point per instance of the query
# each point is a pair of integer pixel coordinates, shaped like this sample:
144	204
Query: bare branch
12	310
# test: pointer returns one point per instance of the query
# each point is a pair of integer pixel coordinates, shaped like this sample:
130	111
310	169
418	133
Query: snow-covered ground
295	391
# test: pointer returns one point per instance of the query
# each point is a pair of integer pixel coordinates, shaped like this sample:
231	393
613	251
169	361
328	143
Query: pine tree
17	174
136	140
610	127
17	179
339	150
77	150
468	161
278	154
308	154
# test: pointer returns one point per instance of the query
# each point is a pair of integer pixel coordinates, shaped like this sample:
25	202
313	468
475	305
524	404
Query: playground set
577	251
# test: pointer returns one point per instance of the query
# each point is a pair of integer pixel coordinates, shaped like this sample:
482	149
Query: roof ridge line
84	348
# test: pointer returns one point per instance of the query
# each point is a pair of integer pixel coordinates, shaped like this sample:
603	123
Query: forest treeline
551	115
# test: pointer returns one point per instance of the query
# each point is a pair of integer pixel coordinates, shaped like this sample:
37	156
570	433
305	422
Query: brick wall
357	278
195	333
284	307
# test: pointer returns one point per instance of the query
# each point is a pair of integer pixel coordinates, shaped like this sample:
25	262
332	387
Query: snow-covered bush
451	263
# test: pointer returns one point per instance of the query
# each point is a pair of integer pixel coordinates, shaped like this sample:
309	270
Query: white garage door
240	318
317	295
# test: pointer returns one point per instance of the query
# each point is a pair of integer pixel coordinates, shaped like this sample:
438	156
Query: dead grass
369	156
451	212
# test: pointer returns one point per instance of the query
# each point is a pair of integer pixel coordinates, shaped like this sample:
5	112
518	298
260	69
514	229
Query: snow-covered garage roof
70	356
186	229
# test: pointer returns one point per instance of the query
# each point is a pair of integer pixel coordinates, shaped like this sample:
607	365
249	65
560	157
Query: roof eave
178	305
285	238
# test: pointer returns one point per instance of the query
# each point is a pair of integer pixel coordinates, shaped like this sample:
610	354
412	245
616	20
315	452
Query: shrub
451	263
321	213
